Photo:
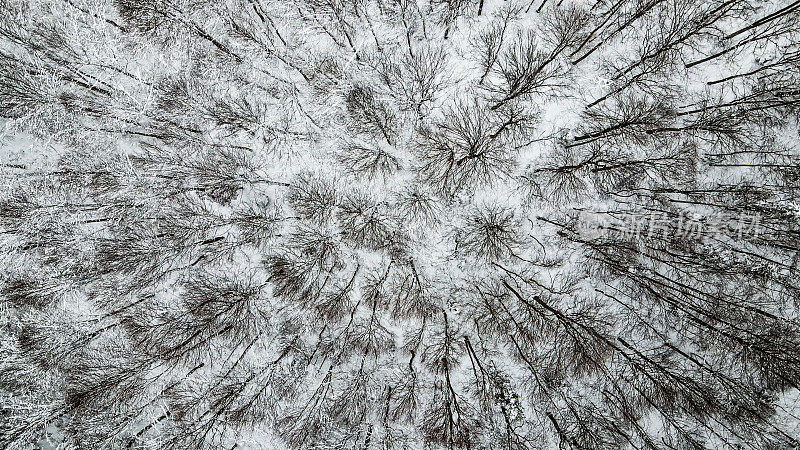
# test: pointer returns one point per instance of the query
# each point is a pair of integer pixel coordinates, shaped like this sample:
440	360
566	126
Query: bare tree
399	224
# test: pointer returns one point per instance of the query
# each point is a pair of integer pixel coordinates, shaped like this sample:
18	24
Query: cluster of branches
400	224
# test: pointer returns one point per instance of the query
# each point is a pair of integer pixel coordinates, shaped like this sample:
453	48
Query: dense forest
400	224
